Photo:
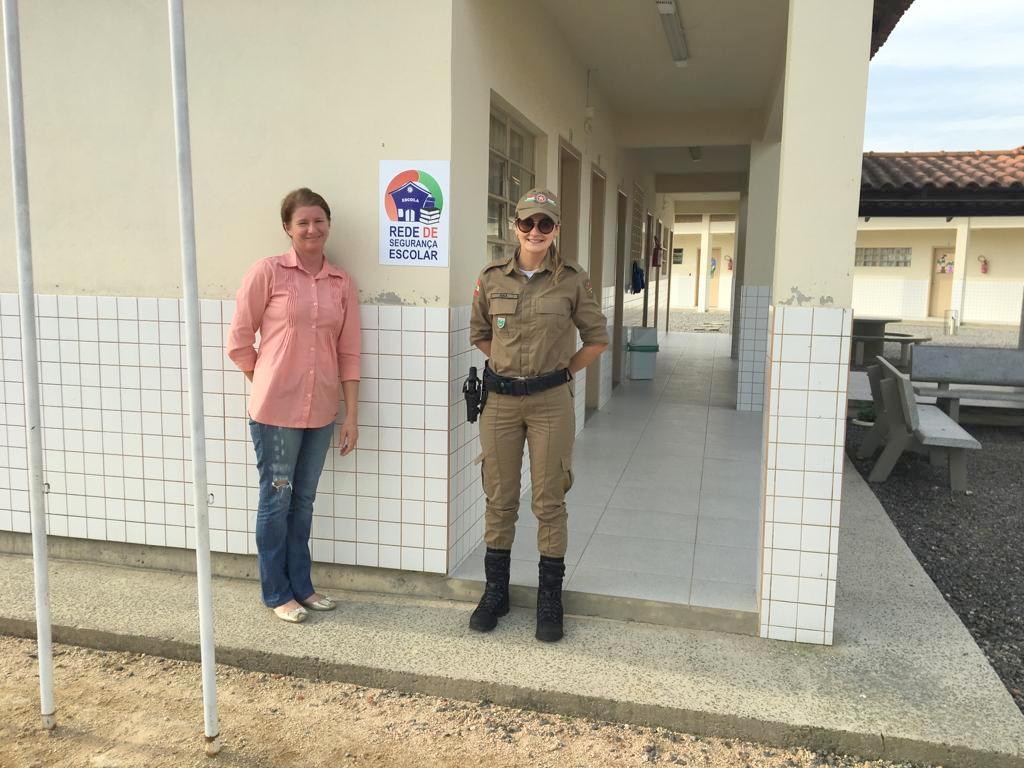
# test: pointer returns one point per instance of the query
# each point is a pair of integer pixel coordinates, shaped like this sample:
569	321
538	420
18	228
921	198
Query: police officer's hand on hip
526	311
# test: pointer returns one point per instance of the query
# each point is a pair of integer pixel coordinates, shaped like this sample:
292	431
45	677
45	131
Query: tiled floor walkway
665	503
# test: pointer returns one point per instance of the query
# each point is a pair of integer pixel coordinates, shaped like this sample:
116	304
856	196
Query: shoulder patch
588	287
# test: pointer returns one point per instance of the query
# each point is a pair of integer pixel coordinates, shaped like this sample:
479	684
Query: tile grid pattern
896	296
116	445
753	330
468	505
808	373
608	309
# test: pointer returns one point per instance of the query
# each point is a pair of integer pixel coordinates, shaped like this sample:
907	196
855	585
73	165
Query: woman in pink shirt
306	311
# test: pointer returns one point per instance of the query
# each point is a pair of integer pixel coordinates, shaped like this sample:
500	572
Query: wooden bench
905	340
905	425
988	373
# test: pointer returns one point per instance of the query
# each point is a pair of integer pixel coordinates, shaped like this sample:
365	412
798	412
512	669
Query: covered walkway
665	501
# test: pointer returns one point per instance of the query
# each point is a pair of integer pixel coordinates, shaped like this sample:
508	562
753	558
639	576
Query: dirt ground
121	710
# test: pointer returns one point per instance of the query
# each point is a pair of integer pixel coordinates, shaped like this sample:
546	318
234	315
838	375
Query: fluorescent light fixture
674	33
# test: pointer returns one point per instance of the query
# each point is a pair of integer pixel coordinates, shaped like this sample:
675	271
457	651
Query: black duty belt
503	385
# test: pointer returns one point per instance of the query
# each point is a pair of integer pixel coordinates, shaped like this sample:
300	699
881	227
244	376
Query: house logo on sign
414	197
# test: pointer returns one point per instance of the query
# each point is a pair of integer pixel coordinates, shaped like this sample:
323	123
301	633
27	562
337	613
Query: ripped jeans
290	461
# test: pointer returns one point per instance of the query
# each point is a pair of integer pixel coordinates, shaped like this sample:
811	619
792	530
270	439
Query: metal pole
30	362
186	212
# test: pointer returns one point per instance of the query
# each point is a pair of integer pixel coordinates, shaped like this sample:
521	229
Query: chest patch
501	323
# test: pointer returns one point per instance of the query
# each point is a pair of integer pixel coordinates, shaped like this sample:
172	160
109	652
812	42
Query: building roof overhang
981	183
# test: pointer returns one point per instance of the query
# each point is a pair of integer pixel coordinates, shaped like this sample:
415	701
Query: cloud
949	78
967	35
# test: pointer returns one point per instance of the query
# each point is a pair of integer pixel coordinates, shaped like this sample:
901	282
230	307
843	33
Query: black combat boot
494	602
549	599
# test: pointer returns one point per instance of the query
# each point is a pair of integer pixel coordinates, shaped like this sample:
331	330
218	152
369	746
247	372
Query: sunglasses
545	225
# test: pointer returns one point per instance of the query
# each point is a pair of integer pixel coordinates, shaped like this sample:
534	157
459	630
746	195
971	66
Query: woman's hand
348	436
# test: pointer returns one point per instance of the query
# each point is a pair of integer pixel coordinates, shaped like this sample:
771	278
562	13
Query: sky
950	77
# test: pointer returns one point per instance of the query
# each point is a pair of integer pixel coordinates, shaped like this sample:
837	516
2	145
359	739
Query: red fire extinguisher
984	265
656	254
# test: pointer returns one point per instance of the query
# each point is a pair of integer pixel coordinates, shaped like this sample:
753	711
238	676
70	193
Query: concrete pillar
758	264
705	260
963	241
1020	337
825	91
740	259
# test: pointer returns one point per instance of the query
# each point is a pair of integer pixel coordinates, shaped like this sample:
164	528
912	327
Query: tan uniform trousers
546	421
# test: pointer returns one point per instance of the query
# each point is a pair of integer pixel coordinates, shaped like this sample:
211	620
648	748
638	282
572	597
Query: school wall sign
414	213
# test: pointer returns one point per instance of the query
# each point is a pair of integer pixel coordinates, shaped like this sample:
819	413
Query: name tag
504	295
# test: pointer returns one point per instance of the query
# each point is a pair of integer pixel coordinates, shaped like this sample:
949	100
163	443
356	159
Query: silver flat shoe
294	616
323	604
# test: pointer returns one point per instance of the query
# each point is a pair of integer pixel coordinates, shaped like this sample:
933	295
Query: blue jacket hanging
638	281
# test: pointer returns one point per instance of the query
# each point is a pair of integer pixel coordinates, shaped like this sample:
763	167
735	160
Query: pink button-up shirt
309	340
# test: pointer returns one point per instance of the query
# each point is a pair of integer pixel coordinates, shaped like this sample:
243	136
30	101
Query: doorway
569	198
715	276
596	270
667	255
621	209
648	236
941	292
656	248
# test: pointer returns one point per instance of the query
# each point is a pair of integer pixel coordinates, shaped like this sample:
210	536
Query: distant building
941	231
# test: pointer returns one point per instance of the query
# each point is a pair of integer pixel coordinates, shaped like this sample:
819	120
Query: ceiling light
673	25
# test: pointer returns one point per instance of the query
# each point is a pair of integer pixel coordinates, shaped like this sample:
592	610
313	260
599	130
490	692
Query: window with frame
510	173
882	257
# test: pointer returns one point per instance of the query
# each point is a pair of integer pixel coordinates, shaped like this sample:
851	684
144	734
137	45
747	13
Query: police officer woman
526	309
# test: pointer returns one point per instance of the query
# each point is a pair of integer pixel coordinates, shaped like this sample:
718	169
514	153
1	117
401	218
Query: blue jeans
290	461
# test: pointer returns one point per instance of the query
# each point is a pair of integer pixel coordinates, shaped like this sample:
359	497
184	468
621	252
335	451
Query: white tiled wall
116	450
466	514
117	458
895	296
987	300
608	308
805	424
753	345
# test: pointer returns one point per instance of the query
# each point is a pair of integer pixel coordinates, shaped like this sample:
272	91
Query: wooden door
715	273
941	293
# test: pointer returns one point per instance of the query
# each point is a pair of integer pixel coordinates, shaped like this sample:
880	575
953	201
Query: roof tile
999	170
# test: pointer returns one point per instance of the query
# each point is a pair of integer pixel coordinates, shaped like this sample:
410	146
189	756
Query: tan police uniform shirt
531	322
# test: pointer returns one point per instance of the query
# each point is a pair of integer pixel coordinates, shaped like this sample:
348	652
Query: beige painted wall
898	291
994	297
282	95
824	100
683	275
488	56
762	213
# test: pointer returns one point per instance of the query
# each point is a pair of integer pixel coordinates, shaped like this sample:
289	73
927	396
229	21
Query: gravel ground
972	546
120	710
967	335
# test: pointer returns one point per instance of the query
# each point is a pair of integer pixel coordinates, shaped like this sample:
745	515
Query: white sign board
413	203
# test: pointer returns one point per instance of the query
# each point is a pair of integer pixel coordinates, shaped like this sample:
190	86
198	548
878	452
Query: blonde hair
557	264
